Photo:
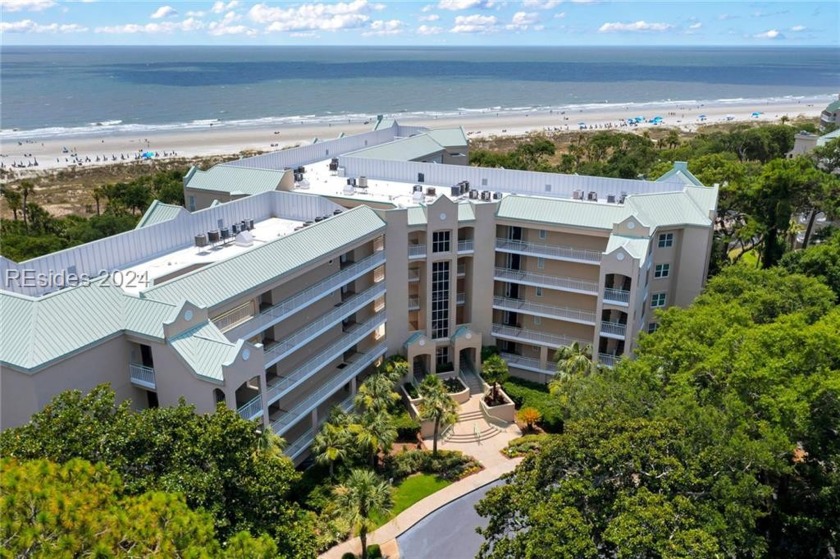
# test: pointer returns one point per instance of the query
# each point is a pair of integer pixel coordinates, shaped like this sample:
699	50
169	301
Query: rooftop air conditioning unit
430	191
363	182
456	191
611	198
473	195
577	195
201	241
485	195
417	188
592	196
497	196
465	187
213	236
621	198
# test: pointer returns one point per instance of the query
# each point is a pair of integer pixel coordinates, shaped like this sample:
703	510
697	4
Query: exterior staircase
472	379
471	428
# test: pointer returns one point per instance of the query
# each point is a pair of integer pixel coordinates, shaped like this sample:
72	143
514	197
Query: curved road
447	533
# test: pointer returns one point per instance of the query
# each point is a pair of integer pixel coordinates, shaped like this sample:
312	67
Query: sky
441	22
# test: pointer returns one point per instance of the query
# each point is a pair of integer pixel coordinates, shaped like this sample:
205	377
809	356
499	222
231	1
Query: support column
314	416
353	386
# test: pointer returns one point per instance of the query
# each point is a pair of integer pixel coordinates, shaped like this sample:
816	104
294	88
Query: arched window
219	395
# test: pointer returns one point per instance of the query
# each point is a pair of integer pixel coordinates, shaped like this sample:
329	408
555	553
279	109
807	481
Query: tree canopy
719	439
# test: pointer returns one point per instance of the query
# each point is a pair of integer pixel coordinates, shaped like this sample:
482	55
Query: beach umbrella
756	114
148	155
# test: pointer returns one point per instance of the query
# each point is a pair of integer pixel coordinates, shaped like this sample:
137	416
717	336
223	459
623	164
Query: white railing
290	417
619	296
253	409
305	298
551	282
301	443
142	375
527	363
416	251
460	298
613	328
278	350
608	359
234	317
281	386
462	269
465	246
549	251
534	337
550	311
413	275
414	303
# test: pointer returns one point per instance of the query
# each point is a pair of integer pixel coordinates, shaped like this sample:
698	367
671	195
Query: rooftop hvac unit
307	223
234	229
417	196
417	188
465	187
486	195
336	212
497	196
611	198
363	182
430	191
201	241
577	195
213	236
319	219
298	177
456	191
473	195
244	225
621	198
225	232
334	165
250	224
592	196
300	170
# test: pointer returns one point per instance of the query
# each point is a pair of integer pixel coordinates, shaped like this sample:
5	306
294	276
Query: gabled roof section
416	215
206	350
230	179
680	173
159	212
221	281
405	149
384	123
637	247
449	137
667	209
466	212
558	211
825	138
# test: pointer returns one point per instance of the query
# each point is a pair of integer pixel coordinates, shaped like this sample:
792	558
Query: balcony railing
413	275
527	363
142	376
234	317
416	251
466	246
617	296
253	409
281	386
305	440
305	298
278	350
550	282
460	298
552	252
534	337
462	270
414	303
608	359
613	329
290	417
549	311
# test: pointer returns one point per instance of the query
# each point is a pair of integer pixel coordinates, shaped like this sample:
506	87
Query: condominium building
299	270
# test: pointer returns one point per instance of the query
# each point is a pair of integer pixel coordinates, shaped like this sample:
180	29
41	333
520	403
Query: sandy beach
108	148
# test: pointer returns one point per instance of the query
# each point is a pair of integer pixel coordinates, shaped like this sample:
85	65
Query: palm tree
359	498
437	406
572	360
13	199
26	188
331	445
376	394
495	371
375	432
268	443
98	194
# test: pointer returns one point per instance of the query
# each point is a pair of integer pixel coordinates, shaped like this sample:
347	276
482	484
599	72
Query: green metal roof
466	212
834	106
37	331
666	209
416	215
159	212
679	172
560	211
231	179
637	247
384	123
825	138
449	137
406	149
224	280
206	350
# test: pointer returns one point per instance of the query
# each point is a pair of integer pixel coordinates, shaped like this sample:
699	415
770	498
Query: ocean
52	91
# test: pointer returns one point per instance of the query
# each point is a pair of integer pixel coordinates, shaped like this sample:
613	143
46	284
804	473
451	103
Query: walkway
487	451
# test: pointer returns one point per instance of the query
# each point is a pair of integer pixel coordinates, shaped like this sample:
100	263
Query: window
440	241
548	188
540	262
657	300
192	203
666	240
483	182
652	327
421	177
538	291
537	321
442	355
662	271
440	300
543	234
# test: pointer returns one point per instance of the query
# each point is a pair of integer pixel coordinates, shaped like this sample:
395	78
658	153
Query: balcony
559	283
527	363
551	252
305	440
608	359
281	386
234	317
288	418
413	276
279	350
414	303
460	298
416	251
251	410
618	297
613	330
466	247
276	313
534	337
462	270
549	311
142	376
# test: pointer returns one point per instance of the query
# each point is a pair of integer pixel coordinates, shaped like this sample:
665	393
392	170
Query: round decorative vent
422	342
619	256
631	224
246	354
188	315
443	217
469	335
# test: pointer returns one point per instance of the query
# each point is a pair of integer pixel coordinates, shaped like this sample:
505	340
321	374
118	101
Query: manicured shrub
350	555
534	395
524	445
448	464
411	390
407	427
374	552
529	416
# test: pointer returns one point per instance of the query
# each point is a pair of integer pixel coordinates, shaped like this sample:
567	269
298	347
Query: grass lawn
411	490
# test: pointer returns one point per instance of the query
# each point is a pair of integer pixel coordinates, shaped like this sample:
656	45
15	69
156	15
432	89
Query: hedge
525	393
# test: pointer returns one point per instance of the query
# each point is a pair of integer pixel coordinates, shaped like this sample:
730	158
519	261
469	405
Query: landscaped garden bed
454	385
